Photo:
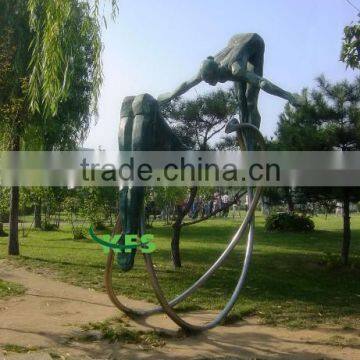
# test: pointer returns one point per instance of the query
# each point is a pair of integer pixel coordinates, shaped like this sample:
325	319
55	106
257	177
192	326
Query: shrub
4	217
79	233
331	261
99	225
289	222
49	227
2	232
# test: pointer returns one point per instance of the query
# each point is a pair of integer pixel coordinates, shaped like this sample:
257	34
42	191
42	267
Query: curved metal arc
187	292
111	293
167	306
248	220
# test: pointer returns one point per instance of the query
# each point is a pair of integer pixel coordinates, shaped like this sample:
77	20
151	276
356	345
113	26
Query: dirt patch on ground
46	321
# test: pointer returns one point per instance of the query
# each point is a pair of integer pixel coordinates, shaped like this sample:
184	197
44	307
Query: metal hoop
130	311
166	306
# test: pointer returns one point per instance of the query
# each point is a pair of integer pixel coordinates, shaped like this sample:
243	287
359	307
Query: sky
154	45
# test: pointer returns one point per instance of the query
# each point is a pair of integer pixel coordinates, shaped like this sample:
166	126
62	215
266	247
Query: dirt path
51	311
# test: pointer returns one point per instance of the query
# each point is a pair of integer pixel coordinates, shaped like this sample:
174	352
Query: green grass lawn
294	279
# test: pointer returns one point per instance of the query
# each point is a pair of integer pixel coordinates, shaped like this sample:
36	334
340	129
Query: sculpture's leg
131	203
145	132
241	93
252	94
126	124
137	132
135	200
240	88
125	260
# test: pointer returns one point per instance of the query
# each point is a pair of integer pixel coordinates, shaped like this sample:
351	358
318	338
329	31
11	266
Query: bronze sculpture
241	61
143	128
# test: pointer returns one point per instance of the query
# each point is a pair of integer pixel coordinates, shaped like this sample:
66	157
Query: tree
74	209
55	28
44	47
69	126
166	198
329	120
350	52
14	115
4	204
99	205
30	197
46	204
197	122
92	205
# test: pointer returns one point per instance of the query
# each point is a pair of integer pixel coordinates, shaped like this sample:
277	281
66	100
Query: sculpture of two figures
142	128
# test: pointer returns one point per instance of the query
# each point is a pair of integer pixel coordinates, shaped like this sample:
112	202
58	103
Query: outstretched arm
242	74
180	90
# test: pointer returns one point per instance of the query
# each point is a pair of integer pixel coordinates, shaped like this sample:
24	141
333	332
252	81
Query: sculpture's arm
241	74
180	90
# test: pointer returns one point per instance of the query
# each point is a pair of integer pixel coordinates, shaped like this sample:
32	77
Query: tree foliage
14	74
328	120
350	53
70	125
50	77
198	121
56	30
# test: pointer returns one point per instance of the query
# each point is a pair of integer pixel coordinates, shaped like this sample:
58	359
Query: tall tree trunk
2	232
175	246
346	228
13	248
57	220
175	240
2	220
289	200
37	215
